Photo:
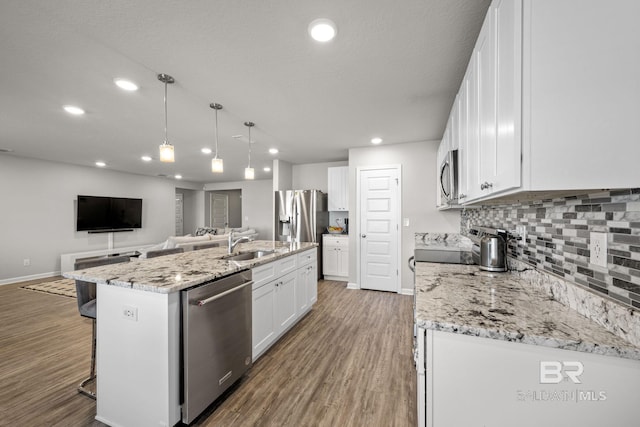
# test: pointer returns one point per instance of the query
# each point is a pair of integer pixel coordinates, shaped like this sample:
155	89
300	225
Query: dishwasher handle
202	302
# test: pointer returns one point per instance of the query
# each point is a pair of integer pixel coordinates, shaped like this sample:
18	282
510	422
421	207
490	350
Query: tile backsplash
558	238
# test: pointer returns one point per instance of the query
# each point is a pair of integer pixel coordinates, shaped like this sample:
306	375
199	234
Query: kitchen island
139	323
502	347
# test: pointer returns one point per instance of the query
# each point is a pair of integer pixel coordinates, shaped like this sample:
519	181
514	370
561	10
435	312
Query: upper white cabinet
547	101
338	185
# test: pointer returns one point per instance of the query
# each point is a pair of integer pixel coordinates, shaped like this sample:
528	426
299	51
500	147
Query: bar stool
86	295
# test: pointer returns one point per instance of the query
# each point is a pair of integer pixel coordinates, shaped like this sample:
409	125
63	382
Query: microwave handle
442	171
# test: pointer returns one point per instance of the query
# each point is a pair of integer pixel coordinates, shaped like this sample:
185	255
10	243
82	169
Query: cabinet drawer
335	241
307	257
285	265
262	274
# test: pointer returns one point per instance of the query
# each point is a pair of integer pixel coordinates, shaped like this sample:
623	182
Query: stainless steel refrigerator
301	216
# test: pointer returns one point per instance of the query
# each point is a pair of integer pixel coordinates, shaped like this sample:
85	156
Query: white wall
282	175
313	176
257	203
193	209
37	213
418	160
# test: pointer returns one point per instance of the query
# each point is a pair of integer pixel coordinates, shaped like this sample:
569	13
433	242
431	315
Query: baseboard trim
405	291
352	285
336	278
31	277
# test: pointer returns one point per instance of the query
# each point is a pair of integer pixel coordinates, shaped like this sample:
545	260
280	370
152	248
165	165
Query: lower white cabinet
283	291
264	321
335	257
503	384
285	299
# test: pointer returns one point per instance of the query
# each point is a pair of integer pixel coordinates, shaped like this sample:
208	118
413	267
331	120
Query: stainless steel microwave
449	178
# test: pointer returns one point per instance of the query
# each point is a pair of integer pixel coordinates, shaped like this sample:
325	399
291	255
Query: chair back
206	246
86	291
162	252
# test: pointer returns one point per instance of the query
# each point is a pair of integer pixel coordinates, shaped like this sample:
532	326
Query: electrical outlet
26	262
598	249
130	312
521	231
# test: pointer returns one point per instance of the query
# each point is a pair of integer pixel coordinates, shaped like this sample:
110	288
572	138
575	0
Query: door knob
364	236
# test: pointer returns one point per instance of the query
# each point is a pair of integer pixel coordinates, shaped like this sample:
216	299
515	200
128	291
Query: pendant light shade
167	153
217	165
249	172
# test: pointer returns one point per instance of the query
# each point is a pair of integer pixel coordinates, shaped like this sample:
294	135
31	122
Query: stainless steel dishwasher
216	340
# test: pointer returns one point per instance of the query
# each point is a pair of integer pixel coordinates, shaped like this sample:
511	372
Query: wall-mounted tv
103	214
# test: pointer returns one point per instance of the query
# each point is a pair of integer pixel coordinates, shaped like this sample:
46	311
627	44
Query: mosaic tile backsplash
558	238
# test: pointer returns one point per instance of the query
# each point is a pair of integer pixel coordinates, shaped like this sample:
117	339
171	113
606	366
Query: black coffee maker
346	226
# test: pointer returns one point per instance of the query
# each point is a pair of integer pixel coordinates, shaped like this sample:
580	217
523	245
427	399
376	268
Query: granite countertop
462	299
173	273
336	234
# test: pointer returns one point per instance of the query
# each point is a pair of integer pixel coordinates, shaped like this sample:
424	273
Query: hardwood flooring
347	363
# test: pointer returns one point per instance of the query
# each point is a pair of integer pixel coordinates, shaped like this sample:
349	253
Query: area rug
63	287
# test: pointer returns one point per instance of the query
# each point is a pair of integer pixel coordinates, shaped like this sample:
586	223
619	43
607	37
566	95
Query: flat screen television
97	214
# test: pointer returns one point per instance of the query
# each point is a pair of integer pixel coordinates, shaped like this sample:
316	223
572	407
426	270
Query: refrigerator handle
294	218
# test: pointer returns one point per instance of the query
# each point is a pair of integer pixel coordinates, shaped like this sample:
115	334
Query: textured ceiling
392	71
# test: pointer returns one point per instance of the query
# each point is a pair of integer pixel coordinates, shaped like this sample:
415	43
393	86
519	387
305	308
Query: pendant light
216	163
249	172
166	149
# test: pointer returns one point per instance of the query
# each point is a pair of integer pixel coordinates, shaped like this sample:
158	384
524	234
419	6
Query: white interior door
219	217
379	215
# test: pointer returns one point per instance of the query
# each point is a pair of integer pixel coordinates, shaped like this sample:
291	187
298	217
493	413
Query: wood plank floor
347	363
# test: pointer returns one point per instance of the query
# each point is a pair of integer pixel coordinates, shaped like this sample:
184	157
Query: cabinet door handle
462	196
486	185
364	236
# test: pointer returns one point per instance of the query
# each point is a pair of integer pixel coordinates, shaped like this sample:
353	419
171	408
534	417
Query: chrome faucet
234	243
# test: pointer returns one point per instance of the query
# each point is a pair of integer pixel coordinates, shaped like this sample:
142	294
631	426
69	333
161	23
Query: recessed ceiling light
6	150
273	151
267	169
127	85
101	164
72	109
376	140
206	150
322	30
178	176
146	158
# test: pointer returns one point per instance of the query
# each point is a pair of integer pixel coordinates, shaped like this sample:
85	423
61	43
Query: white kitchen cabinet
335	257
283	291
500	383
492	86
264	324
338	186
285	301
548	105
308	277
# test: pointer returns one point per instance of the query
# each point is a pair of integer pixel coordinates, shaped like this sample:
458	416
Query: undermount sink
246	256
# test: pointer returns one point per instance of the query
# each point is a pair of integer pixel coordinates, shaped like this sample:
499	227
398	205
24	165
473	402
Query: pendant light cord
216	133
165	112
249	146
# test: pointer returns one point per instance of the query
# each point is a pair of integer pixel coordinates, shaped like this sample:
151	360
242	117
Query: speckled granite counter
443	247
173	273
506	306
